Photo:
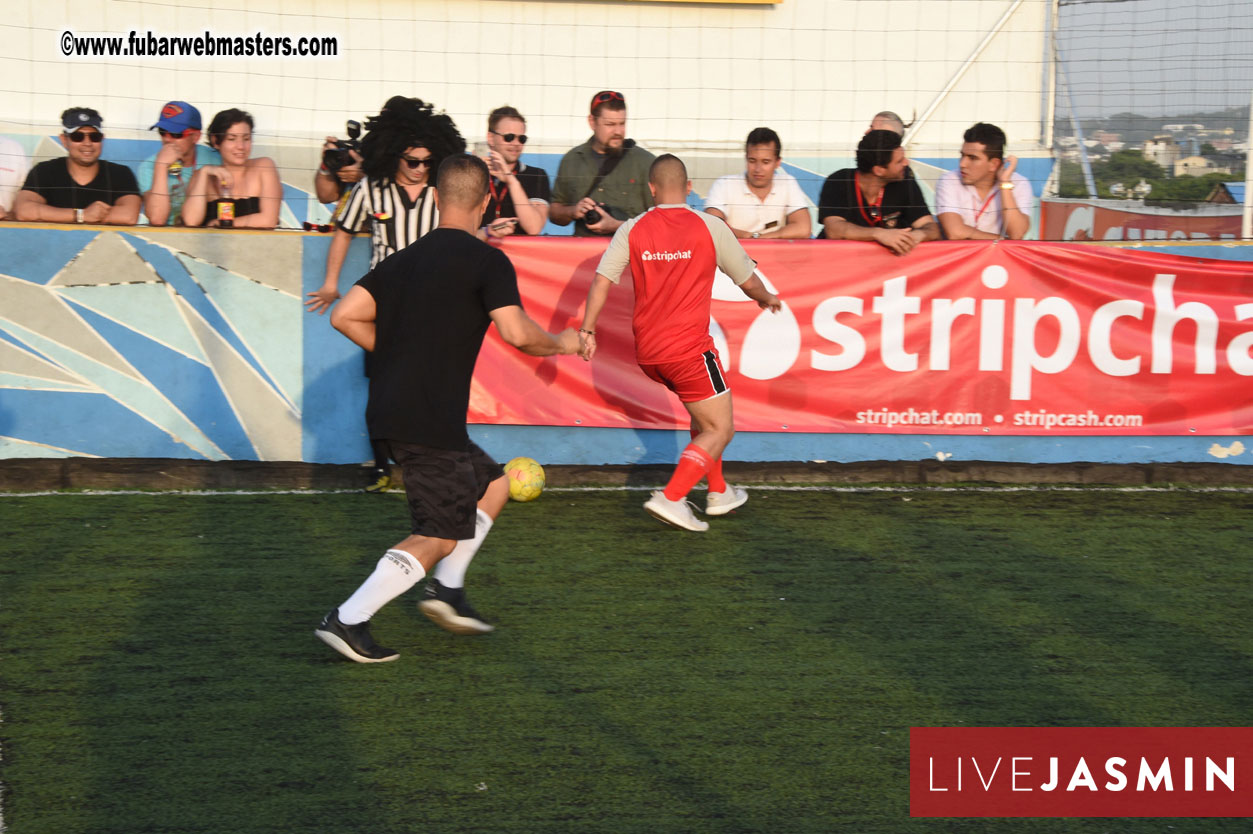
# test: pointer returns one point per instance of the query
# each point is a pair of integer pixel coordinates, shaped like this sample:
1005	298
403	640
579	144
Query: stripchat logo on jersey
677	255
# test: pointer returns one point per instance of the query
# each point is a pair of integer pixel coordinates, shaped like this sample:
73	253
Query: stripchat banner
1006	338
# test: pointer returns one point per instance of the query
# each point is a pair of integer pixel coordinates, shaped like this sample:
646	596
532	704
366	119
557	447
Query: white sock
451	570
396	573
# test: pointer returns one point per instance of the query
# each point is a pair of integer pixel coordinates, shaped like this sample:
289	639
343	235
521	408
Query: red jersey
674	252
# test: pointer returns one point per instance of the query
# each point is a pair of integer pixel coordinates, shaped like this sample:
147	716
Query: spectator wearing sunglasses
875	201
243	192
604	180
164	176
82	188
519	192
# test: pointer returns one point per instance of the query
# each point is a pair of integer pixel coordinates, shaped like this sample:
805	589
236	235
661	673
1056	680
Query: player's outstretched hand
587	345
568	342
772	303
321	300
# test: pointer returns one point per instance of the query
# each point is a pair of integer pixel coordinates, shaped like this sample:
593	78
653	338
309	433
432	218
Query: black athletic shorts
443	487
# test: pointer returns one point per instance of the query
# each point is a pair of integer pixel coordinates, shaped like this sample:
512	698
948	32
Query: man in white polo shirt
985	199
13	169
763	202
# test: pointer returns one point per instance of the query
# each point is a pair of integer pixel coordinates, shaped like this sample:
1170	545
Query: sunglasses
417	163
509	137
79	136
171	133
317	227
607	95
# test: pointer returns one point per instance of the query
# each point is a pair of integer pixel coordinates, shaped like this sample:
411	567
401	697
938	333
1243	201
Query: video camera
340	156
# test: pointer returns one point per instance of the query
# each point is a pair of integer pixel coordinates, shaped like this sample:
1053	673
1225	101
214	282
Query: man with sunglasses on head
603	182
82	187
164	176
875	201
519	193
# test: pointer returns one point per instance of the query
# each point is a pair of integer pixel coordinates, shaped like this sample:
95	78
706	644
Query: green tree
1127	167
1207	149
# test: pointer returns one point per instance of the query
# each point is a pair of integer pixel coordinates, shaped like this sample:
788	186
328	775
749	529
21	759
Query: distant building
1181	128
1163	150
1227	193
1194	166
1106	137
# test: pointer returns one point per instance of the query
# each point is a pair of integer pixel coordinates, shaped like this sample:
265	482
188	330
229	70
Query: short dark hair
667	169
876	148
990	136
222	123
764	136
462	180
505	112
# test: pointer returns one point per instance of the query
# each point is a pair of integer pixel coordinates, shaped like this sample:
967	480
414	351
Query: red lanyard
861	203
986	203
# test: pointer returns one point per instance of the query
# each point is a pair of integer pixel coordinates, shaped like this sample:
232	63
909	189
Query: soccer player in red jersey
673	252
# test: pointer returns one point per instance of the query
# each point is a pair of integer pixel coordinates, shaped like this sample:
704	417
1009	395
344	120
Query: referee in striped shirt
402	151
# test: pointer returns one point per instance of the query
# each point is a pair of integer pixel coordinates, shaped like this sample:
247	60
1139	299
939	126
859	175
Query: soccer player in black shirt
423	313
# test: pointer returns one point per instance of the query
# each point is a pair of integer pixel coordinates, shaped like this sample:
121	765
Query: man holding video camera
603	182
341	165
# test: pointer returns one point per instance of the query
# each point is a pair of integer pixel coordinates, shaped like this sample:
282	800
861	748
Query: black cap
77	117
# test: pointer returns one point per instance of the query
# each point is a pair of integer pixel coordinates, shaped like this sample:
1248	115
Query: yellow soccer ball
526	479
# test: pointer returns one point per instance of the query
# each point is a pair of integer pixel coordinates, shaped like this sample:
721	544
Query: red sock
716	482
693	464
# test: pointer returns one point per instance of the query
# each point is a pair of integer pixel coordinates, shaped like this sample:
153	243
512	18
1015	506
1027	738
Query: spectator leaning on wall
164	176
82	187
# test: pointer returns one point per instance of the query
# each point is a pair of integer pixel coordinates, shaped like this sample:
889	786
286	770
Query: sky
1157	57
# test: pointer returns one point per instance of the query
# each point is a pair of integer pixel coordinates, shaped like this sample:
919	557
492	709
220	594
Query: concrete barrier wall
174	343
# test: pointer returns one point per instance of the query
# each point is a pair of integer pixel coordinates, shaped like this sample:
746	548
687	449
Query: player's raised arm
520	331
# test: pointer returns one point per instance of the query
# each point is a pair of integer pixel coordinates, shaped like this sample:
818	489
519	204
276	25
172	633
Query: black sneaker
448	609
352	641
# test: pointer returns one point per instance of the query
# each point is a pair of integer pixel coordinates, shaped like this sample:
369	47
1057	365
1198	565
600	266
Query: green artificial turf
159	671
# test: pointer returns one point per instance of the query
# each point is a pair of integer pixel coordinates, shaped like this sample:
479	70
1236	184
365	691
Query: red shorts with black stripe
695	379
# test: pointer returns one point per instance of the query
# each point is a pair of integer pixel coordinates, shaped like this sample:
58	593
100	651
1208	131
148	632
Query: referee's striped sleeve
352	214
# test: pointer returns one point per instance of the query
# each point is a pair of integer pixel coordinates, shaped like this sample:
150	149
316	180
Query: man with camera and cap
164	176
603	182
82	187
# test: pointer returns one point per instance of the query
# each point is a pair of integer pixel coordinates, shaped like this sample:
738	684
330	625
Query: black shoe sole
337	643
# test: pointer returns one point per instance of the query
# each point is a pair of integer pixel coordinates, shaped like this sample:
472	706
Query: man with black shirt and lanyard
455	286
875	201
519	193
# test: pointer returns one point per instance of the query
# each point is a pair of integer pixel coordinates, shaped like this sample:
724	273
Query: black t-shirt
52	181
902	205
534	182
433	298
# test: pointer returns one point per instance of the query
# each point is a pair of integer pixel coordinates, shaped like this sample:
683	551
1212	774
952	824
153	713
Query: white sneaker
675	513
721	503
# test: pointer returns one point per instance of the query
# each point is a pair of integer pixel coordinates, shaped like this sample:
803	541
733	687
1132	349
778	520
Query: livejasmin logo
1081	771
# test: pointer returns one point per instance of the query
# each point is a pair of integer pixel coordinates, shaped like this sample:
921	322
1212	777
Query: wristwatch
78	215
755	235
1007	186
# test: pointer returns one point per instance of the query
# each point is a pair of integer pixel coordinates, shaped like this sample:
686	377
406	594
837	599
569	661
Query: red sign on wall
1011	338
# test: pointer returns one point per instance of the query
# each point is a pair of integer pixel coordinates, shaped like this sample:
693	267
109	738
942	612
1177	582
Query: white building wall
695	75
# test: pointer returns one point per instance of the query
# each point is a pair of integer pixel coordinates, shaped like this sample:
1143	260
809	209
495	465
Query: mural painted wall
195	344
